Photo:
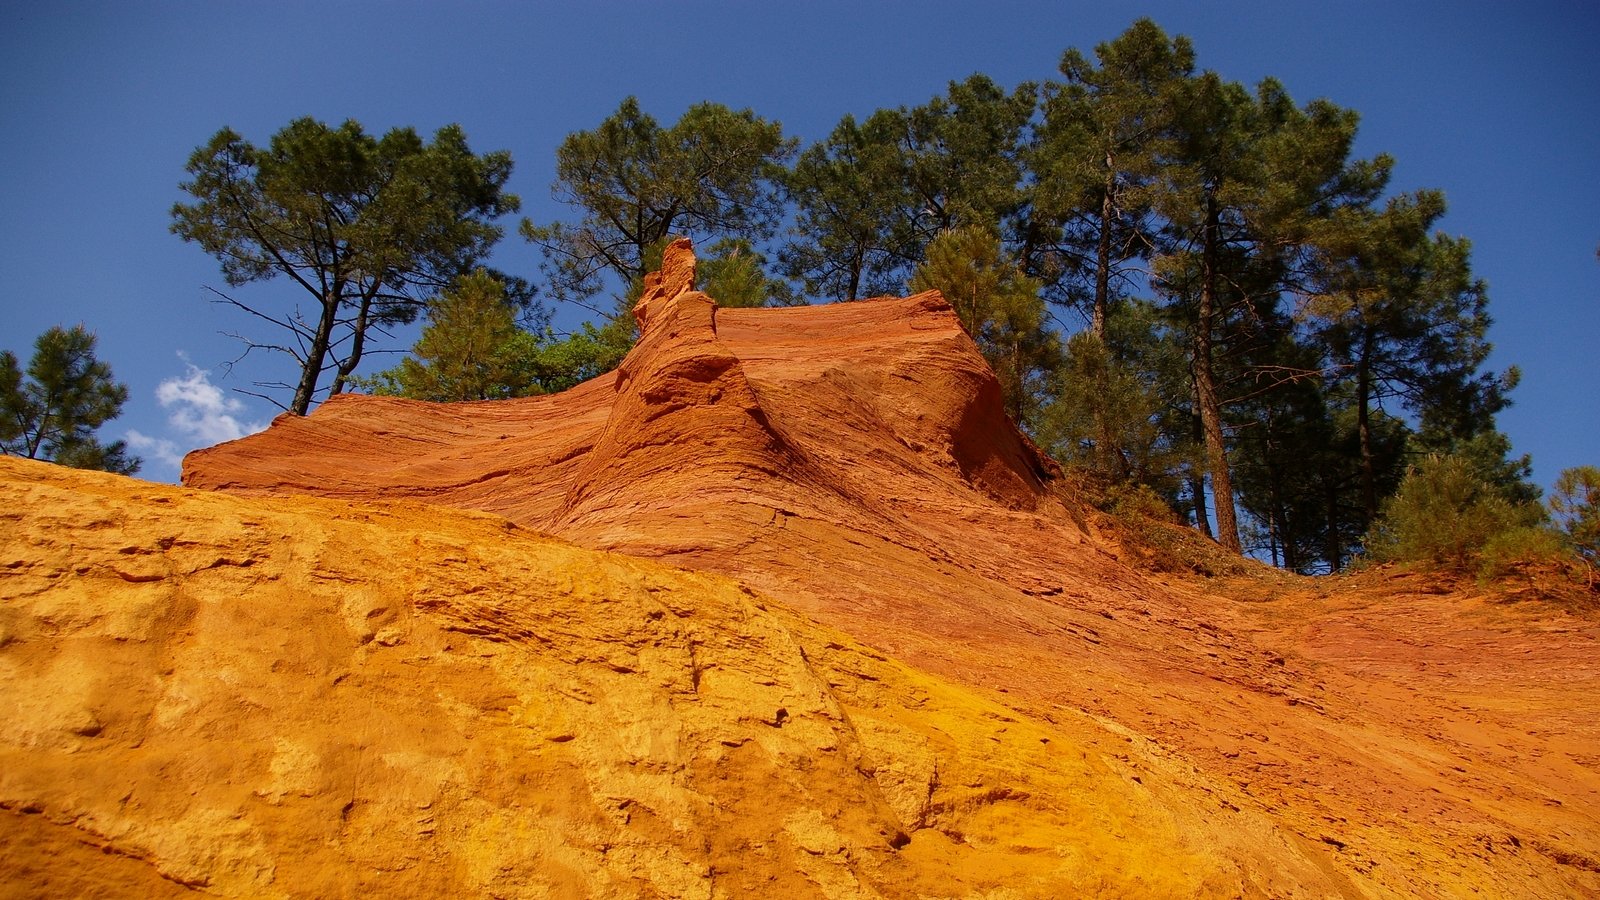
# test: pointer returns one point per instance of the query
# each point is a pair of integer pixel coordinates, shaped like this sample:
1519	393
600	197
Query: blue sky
1496	104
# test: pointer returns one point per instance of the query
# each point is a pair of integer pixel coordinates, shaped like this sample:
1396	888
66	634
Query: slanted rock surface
783	607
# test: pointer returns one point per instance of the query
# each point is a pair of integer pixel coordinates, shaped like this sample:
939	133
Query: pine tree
471	349
1445	514
1401	317
1101	415
1091	161
561	363
1208	166
1575	503
1243	181
734	274
67	395
712	174
871	197
1000	307
848	240
368	227
961	156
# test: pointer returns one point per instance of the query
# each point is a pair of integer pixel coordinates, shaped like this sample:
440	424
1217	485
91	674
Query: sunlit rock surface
783	607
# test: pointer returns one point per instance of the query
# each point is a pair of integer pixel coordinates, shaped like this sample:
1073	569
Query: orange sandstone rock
676	276
291	697
930	676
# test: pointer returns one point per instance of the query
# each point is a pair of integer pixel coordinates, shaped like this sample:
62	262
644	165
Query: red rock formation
295	697
676	276
878	418
853	461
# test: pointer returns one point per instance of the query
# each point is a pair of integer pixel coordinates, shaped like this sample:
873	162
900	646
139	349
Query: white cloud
163	450
199	414
201	411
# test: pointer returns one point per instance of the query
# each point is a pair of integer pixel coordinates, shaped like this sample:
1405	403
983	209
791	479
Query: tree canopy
871	197
368	227
1271	336
711	175
1000	308
1093	158
52	413
1575	502
847	240
471	349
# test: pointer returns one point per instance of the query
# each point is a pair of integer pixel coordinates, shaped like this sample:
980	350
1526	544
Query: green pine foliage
1398	316
1301	335
368	227
1269	331
1445	514
1093	158
960	157
1000	307
1521	549
1105	417
471	349
561	363
871	197
636	184
1575	504
1488	452
734	274
53	411
849	239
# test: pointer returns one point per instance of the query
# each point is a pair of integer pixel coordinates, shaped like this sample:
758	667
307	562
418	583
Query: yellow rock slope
303	697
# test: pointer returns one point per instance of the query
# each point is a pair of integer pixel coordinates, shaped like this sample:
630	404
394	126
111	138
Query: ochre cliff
300	697
783	607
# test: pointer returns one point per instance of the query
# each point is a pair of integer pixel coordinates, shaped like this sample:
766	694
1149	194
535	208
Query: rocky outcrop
800	405
784	606
306	698
828	452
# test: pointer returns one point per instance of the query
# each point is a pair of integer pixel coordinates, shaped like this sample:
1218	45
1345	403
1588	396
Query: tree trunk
1277	524
1017	384
357	340
1112	460
1332	547
857	263
1197	477
1205	387
311	368
1369	484
1197	491
1216	448
1102	263
1278	531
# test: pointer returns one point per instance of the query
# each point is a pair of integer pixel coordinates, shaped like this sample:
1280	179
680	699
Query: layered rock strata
371	655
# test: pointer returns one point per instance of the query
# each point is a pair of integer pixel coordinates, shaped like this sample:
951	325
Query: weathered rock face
296	697
854	457
833	409
887	660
